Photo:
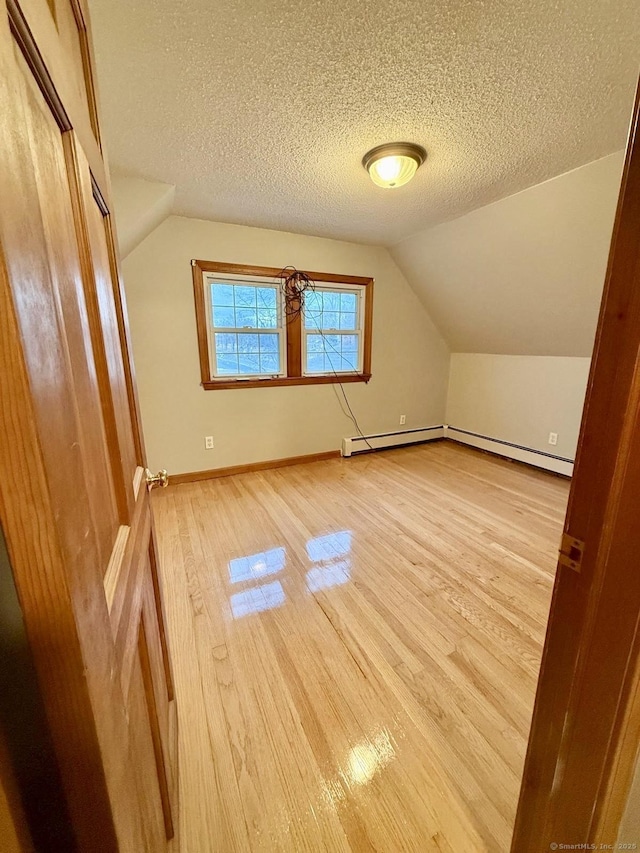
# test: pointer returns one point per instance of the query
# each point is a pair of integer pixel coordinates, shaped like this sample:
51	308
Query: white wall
515	288
520	399
522	276
410	360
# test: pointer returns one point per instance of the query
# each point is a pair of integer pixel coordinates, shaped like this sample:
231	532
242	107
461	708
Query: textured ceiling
260	111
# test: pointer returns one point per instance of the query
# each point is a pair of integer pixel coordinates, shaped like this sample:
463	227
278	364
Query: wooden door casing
576	774
73	497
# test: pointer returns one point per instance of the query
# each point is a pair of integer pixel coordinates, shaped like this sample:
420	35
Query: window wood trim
293	329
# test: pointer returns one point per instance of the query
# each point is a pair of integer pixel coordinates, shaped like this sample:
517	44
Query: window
332	331
246	330
247	338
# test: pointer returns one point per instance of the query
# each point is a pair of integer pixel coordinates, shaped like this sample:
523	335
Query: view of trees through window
248	333
331	327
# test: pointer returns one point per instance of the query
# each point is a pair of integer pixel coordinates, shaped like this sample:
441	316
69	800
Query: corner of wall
140	206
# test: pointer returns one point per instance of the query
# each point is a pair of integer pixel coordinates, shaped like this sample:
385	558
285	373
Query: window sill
226	384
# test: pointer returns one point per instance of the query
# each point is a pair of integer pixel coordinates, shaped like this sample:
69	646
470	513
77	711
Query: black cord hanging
295	285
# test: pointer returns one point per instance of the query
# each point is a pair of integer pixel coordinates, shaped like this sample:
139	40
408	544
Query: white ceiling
260	111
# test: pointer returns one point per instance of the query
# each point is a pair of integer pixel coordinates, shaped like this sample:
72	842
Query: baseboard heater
379	441
538	458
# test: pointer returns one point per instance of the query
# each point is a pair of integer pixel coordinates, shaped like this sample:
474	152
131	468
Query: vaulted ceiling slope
140	207
524	275
259	112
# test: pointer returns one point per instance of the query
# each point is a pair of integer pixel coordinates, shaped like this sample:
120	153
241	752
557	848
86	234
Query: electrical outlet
553	438
403	419
208	442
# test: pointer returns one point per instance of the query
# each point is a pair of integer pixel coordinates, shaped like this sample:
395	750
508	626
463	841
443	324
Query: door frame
85	716
586	722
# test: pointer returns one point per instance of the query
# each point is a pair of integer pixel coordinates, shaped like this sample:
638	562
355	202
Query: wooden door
74	504
586	722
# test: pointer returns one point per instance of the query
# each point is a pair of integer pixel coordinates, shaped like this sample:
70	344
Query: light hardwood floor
356	646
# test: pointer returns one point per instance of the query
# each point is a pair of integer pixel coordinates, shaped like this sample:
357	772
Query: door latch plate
571	552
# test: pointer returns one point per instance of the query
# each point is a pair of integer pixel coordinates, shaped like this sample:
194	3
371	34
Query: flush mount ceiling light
393	164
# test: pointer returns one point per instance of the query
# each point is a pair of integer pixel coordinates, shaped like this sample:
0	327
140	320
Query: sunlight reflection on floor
330	565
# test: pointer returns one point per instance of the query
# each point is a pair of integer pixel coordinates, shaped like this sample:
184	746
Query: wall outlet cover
553	438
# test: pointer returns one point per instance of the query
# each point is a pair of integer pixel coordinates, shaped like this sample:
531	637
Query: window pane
222	294
315	362
315	343
313	301
332	343
247	343
245	354
313	311
268	343
333	361
248	363
348	302
269	363
266	297
245	296
312	319
267	319
257	350
329	309
227	363
246	318
349	343
330	320
349	360
224	317
330	300
226	343
332	354
250	307
347	321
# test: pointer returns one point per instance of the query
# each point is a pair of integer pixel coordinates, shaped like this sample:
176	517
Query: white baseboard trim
362	444
538	458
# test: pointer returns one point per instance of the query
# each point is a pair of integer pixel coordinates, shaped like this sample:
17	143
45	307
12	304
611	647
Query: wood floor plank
356	646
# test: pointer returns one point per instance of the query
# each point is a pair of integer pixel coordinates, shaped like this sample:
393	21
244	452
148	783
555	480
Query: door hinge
571	552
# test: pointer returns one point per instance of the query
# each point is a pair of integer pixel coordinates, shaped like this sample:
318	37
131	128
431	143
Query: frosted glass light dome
393	165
